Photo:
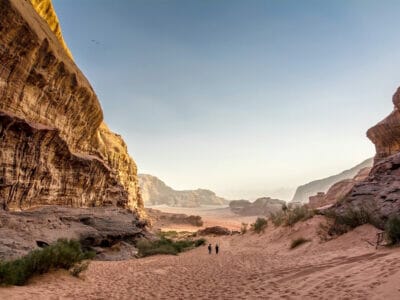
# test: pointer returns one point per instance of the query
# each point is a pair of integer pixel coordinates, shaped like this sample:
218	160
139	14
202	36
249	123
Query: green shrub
260	225
298	213
63	254
392	230
243	228
278	218
349	219
297	242
166	246
200	242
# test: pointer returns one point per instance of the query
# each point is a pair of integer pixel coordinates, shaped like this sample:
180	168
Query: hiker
216	249
209	248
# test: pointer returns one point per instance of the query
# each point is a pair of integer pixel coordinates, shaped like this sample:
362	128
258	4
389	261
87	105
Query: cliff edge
55	147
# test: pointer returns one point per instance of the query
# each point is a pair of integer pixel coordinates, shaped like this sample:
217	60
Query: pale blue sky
247	98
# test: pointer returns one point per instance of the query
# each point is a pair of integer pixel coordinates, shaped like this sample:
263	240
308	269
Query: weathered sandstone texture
337	191
156	192
261	207
380	191
103	229
304	192
54	146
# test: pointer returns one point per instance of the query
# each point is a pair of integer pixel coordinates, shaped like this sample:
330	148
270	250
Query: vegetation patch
297	242
290	216
392	230
166	246
64	254
260	225
350	219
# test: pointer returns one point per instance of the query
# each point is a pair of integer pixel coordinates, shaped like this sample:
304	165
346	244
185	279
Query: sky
246	98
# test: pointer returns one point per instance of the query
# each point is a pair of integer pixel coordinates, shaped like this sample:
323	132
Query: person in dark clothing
216	249
209	248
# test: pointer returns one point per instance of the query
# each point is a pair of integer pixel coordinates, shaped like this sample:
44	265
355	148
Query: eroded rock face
55	148
98	228
380	191
45	9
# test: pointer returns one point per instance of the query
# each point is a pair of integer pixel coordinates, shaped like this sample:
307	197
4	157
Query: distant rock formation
380	191
260	207
304	192
161	219
55	148
338	191
156	192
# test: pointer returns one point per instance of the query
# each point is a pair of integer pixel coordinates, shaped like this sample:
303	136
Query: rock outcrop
304	192
102	229
380	191
55	148
338	191
261	207
156	192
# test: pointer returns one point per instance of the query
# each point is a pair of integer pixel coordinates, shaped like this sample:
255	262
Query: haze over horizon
247	99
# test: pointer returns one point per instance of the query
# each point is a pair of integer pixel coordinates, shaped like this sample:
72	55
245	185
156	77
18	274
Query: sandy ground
251	266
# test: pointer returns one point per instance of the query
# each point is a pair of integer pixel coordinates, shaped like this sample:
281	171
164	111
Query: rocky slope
338	191
261	207
380	191
55	147
103	229
304	192
156	192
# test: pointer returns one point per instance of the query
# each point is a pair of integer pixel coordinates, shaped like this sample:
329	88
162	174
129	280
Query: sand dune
249	267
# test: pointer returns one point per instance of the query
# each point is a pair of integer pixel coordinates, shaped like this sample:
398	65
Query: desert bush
392	230
243	228
166	246
298	213
297	242
278	218
260	225
63	254
79	268
199	242
349	219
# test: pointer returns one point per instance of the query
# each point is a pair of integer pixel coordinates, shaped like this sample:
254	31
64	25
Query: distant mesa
261	207
155	192
304	192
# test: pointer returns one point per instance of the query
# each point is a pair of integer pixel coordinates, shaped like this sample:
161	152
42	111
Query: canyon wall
380	191
55	148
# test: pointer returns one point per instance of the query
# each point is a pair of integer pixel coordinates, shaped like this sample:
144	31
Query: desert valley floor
249	266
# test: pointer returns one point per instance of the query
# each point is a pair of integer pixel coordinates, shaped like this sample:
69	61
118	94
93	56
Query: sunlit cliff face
45	9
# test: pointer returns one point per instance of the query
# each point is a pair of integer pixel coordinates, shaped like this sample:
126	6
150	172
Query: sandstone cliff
261	207
380	191
304	192
156	192
55	148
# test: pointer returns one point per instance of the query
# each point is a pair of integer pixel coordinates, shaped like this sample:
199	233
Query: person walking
209	248
216	248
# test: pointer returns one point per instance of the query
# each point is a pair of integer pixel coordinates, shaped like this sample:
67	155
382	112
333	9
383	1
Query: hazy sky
247	98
